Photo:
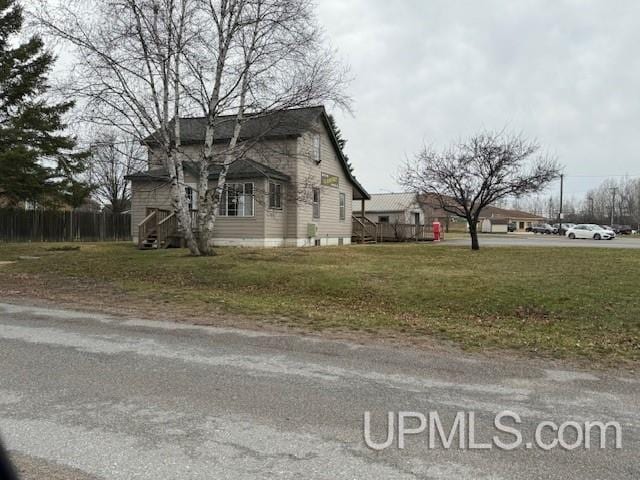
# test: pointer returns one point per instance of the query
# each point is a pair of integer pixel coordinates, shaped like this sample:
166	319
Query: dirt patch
103	297
34	468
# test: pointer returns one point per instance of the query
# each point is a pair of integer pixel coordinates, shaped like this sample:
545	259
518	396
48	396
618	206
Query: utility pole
560	209
590	199
613	204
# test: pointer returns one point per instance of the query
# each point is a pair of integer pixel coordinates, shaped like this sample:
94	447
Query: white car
590	230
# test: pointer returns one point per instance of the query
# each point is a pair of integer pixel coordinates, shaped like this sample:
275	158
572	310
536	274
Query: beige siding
157	195
247	228
292	157
309	175
147	194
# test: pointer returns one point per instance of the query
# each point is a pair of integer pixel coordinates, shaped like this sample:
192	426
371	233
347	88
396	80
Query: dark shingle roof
243	168
276	124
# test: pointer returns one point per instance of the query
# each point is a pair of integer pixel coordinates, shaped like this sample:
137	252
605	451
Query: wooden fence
18	225
404	232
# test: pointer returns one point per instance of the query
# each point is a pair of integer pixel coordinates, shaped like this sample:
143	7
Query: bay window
237	200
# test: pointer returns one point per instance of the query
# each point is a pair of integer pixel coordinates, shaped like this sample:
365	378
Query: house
394	208
292	185
521	220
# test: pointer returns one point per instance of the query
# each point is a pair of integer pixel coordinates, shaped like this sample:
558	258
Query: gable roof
243	168
496	212
387	202
277	124
289	123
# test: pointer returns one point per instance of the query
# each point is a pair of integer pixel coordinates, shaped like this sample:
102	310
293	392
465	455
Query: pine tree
342	142
37	161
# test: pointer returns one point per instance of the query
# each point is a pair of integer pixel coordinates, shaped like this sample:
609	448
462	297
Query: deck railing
404	232
364	229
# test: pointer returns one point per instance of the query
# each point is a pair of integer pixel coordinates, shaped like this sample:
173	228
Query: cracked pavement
124	398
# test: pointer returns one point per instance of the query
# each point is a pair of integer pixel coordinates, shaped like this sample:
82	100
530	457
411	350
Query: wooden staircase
364	230
159	229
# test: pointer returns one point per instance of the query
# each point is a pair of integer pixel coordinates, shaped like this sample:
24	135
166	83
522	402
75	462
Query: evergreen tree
340	139
37	161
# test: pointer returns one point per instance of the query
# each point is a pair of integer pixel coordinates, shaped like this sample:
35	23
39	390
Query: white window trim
342	206
316	147
194	196
313	203
269	183
225	200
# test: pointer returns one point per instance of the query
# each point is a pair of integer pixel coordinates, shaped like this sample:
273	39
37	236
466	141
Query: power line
602	176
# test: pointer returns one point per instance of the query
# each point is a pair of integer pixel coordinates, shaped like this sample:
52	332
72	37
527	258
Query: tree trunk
473	232
178	202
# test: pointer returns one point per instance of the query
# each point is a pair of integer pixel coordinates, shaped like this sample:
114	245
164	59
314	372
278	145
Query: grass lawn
561	302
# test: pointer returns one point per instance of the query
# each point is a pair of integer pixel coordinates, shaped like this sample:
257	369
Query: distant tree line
615	200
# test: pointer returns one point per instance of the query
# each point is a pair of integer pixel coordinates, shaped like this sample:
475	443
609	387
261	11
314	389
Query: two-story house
292	186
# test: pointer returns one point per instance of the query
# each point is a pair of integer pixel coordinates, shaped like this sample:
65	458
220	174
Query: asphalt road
118	398
532	240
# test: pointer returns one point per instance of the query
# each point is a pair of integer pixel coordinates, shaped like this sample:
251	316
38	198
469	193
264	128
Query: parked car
511	227
562	230
622	229
609	229
542	228
590	230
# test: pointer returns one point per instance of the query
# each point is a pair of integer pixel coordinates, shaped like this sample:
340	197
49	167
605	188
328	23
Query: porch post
362	211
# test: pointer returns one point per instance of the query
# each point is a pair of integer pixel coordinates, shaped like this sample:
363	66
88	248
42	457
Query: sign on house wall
328	180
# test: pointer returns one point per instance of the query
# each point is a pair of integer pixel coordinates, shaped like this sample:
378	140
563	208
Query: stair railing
147	225
166	228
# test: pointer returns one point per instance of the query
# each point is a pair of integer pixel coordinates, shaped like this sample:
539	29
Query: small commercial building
494	225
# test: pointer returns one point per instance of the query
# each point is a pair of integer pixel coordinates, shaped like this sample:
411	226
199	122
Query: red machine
436	231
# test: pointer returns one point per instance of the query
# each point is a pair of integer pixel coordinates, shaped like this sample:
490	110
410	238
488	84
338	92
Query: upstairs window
275	195
316	203
237	200
316	147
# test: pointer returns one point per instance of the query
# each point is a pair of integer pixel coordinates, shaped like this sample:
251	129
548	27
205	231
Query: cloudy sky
566	72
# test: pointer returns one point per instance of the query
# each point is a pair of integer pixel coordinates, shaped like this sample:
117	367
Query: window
316	203
275	195
192	198
237	200
343	206
383	219
316	147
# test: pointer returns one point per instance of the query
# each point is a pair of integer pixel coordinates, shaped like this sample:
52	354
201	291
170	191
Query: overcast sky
428	71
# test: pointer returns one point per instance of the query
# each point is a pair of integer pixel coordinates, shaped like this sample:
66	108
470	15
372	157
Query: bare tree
112	158
142	64
124	75
469	176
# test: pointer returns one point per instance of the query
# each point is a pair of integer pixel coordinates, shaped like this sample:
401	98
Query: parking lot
532	240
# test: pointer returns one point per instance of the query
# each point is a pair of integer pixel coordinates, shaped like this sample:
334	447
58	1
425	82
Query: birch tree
142	64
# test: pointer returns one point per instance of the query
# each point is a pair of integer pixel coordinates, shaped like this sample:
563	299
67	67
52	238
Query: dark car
542	228
562	230
622	229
